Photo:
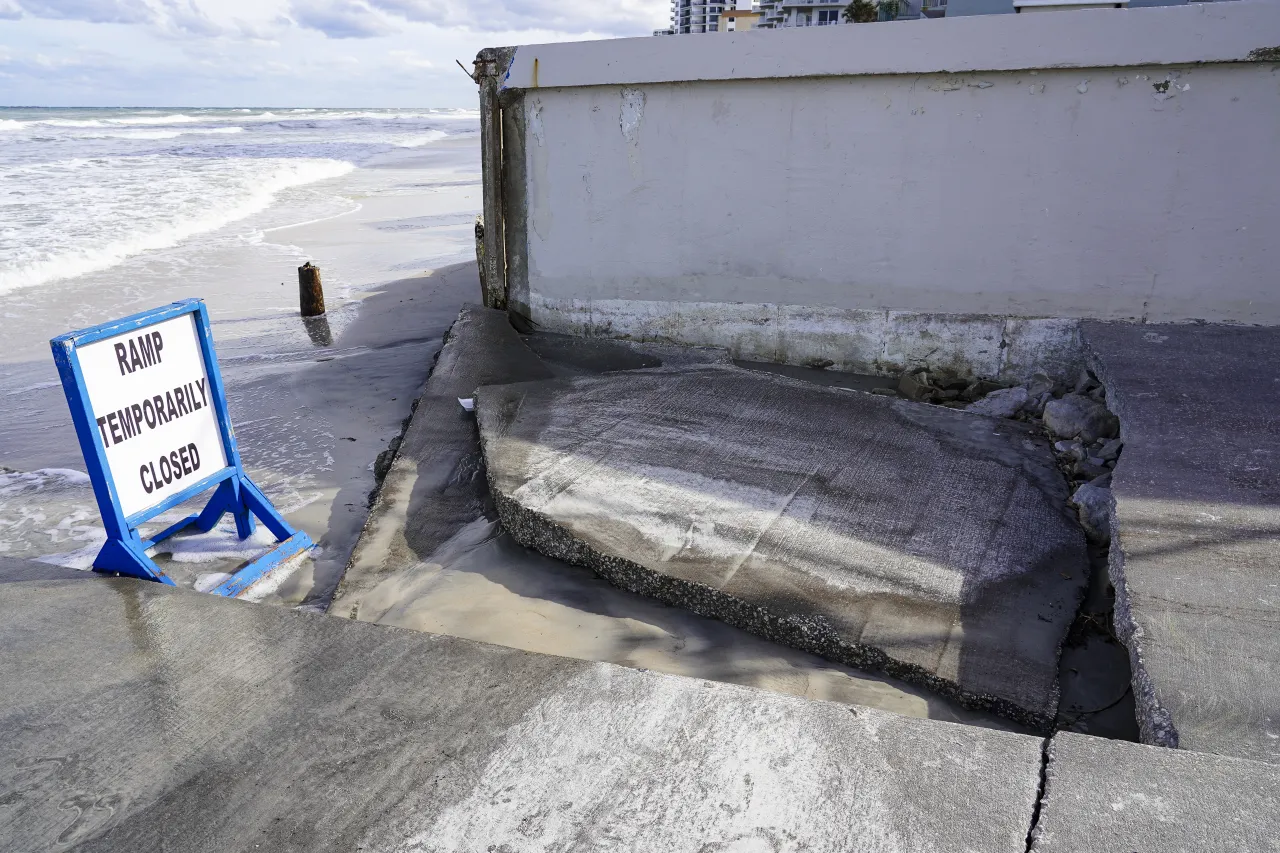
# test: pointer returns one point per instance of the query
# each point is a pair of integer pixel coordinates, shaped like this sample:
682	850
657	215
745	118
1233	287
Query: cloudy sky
279	52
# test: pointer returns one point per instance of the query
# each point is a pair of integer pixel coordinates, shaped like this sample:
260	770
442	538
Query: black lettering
147	487
186	460
114	426
180	396
176	465
149	413
195	456
102	427
122	356
172	411
126	423
191	395
155	336
204	396
137	415
147	348
159	404
166	470
135	360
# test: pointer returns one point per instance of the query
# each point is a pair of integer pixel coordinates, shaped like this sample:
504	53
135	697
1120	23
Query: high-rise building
779	14
703	16
696	16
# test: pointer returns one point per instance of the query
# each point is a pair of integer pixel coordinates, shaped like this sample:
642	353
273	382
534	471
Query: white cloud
349	18
93	11
171	17
411	59
341	19
272	52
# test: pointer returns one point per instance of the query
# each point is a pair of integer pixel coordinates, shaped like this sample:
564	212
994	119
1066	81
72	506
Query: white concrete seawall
935	192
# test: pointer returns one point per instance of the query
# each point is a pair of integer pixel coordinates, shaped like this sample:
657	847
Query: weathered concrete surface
1103	795
1196	529
435	485
571	355
930	544
138	717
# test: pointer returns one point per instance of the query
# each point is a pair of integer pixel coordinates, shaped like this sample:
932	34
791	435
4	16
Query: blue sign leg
128	557
245	523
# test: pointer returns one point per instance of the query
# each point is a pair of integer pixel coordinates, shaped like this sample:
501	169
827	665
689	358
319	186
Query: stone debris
1086	432
1005	403
915	386
941	387
1093	503
1077	416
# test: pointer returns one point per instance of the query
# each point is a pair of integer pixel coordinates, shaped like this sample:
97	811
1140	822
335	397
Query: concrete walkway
138	717
1196	529
927	543
1104	795
142	717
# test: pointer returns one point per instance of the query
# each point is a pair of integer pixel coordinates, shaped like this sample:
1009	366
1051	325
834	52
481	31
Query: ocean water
81	190
107	212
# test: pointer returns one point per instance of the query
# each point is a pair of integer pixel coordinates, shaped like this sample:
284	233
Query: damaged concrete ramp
931	544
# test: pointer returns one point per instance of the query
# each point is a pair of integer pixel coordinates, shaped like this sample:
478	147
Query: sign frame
125	551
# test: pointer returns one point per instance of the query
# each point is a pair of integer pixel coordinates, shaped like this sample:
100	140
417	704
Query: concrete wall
957	191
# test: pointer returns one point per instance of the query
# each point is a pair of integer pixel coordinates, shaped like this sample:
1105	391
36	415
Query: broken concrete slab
480	584
435	484
142	717
1196	529
930	544
1108	795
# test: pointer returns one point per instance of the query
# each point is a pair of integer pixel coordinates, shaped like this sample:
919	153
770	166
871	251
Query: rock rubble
1086	433
1087	437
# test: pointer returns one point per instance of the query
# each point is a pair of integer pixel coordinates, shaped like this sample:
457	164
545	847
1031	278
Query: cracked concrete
1108	795
930	544
1195	529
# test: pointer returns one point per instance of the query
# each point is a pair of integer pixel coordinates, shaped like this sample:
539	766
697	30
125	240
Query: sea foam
91	214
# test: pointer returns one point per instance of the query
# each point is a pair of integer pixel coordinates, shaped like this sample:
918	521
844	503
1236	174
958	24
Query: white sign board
153	410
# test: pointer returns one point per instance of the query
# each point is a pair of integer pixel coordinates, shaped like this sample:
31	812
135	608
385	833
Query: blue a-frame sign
150	411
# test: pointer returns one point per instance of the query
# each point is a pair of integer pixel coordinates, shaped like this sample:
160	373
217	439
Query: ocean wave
422	139
137	205
238	116
164	134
